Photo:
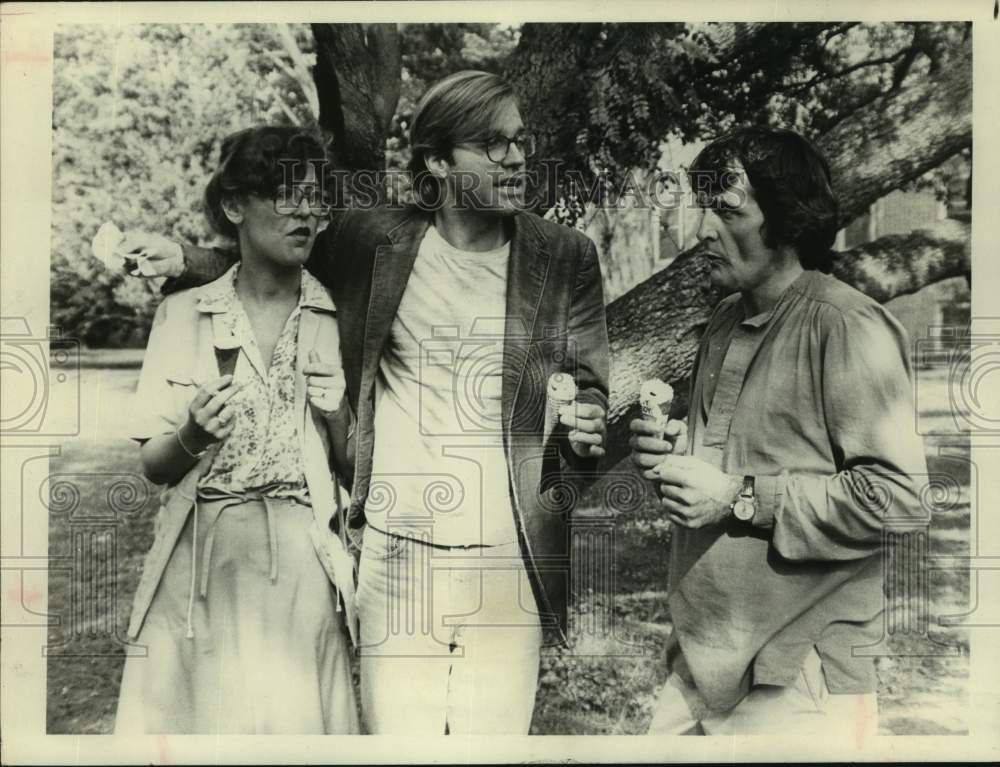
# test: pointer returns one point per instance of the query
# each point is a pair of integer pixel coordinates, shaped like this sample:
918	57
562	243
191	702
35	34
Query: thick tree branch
900	136
385	48
870	96
827	76
547	70
898	264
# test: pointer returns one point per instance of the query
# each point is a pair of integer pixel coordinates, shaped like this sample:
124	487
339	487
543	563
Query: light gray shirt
814	400
440	470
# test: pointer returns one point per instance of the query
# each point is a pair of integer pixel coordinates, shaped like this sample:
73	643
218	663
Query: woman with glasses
246	602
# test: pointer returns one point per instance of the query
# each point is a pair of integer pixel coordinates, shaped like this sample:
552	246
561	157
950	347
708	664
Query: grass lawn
101	505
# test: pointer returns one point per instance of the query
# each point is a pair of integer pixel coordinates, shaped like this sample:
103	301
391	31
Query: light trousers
804	708
450	638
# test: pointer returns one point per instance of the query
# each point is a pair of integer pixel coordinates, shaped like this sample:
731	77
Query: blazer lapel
390	273
526	274
314	306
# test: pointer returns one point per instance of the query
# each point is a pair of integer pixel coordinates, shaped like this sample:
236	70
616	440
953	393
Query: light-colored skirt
252	643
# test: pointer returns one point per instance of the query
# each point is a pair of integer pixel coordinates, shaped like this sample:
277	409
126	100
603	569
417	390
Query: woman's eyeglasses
287	200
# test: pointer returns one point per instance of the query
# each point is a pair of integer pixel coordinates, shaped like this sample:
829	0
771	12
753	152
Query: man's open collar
412	227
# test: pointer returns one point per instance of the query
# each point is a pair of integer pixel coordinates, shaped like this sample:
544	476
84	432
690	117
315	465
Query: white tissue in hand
106	246
145	268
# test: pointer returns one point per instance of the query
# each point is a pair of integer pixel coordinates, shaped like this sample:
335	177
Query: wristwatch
745	506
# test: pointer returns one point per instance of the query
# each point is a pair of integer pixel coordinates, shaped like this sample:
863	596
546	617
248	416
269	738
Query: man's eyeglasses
287	200
498	146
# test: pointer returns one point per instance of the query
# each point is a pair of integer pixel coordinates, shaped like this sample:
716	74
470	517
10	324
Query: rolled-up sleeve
869	412
154	404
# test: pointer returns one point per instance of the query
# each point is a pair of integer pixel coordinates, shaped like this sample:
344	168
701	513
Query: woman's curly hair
256	161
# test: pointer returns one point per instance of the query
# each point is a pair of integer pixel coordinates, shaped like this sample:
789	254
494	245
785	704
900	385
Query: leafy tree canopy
139	111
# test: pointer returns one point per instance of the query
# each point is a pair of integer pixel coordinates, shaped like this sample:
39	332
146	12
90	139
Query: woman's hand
167	457
325	384
210	416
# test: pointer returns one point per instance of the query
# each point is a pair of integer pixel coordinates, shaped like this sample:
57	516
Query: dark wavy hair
463	107
791	184
254	161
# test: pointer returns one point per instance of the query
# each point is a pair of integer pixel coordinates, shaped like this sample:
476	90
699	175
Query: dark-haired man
799	442
452	315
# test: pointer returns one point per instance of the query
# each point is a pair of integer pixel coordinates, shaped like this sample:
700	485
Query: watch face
743	510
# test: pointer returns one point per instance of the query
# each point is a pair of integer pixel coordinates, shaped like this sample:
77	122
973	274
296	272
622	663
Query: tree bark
547	70
357	76
894	139
655	327
900	136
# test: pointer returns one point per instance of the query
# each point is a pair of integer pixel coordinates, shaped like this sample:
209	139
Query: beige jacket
180	356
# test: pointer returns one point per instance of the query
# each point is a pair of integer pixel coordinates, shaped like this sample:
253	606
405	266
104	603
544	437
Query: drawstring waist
213	503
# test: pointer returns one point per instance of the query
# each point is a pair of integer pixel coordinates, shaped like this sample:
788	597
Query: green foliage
138	115
138	111
604	97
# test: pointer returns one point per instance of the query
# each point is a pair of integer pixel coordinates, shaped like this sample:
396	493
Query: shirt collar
219	296
314	295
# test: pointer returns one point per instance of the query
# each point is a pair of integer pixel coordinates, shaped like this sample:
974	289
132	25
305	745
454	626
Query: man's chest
759	396
445	313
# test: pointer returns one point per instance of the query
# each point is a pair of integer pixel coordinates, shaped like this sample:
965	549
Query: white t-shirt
439	471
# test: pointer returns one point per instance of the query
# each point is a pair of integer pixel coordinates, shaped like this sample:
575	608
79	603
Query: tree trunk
655	327
357	76
547	70
898	264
